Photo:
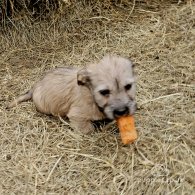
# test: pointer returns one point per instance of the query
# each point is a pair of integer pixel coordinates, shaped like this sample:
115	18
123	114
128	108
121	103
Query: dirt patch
42	155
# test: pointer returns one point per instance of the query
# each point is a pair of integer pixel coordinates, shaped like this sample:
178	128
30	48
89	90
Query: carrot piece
127	129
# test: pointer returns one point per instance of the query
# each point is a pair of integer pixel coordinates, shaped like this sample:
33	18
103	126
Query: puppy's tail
22	98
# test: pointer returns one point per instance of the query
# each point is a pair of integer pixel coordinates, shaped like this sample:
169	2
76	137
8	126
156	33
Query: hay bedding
41	155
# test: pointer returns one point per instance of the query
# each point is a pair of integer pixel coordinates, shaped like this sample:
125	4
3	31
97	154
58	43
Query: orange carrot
127	129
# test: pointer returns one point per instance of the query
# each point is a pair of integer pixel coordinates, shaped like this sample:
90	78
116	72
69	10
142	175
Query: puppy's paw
85	127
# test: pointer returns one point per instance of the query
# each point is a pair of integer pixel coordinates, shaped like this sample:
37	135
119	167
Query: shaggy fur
98	91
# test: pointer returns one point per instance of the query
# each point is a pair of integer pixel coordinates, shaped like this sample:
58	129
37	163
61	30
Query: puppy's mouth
117	112
112	114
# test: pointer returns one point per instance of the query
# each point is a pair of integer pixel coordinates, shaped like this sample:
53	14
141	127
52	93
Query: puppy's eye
105	92
128	87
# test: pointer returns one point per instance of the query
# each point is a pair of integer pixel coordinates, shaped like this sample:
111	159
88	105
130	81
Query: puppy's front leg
82	125
80	121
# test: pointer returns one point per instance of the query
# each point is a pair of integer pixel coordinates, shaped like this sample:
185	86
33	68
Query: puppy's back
53	94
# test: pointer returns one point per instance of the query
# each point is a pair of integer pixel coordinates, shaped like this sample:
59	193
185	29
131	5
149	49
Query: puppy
98	91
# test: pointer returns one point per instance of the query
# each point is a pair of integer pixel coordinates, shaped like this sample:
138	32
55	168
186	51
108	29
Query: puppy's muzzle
121	112
125	110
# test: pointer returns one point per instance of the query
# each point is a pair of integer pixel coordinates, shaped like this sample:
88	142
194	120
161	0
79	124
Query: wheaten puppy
98	91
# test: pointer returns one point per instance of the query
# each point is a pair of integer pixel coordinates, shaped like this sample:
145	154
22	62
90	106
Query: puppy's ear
83	77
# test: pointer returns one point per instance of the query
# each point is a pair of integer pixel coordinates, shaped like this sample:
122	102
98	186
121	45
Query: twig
52	170
161	97
131	10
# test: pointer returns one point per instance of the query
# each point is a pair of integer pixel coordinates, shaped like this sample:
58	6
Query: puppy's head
112	83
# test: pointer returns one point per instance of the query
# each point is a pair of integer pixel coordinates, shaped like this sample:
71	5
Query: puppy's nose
121	112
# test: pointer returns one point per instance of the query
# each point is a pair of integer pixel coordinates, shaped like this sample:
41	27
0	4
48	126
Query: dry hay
42	155
10	9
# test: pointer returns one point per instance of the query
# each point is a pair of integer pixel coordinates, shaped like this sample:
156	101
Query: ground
41	155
